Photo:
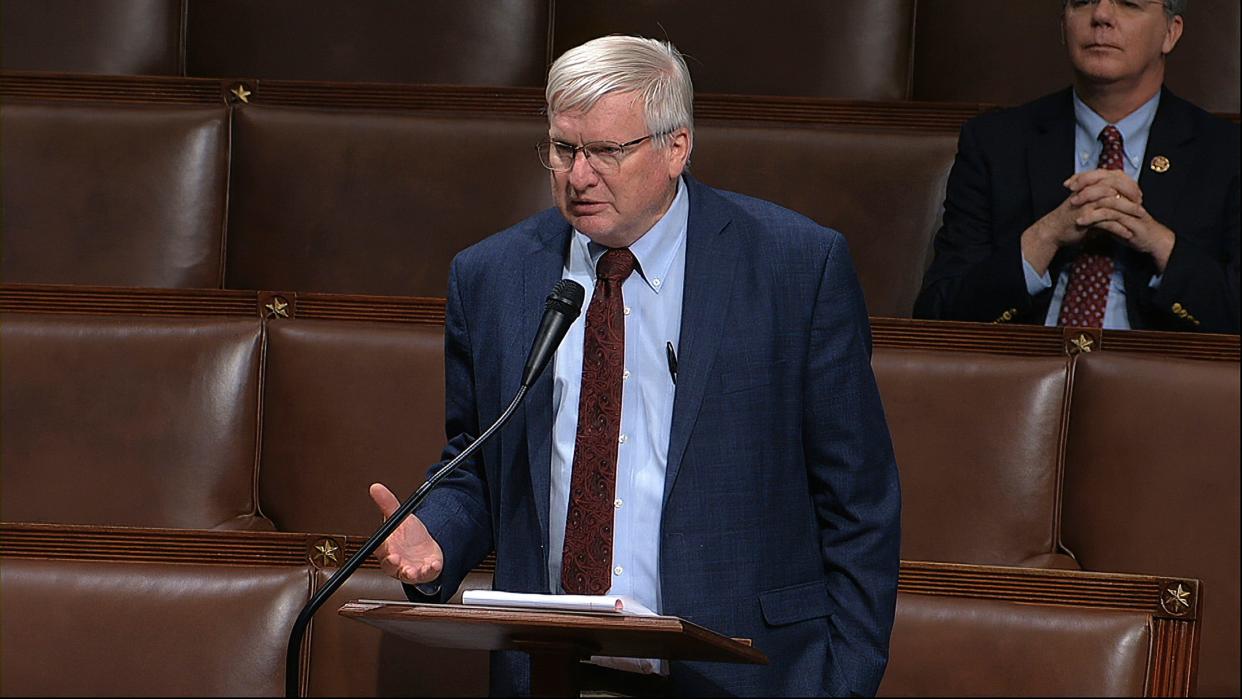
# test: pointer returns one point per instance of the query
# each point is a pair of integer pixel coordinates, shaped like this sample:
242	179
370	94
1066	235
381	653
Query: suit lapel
711	255
1050	155
542	269
1171	136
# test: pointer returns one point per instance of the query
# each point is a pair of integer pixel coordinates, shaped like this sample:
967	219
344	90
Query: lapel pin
1160	164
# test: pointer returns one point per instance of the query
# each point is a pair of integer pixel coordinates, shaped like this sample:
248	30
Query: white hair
653	70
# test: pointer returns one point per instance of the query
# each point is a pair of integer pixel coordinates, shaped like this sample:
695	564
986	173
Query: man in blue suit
744	480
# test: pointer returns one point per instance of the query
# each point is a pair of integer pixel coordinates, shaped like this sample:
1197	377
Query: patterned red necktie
587	556
1086	294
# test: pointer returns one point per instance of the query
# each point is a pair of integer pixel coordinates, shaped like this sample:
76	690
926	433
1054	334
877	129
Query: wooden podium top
583	634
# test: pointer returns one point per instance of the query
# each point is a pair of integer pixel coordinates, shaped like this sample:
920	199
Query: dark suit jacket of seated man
779	513
1013	174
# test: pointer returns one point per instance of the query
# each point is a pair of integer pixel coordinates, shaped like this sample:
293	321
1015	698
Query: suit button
1177	308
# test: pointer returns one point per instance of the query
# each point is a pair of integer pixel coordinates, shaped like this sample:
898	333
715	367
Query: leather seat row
1051	461
1001	53
98	611
378	202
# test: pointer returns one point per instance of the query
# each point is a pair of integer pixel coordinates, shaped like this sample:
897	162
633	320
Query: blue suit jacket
781	501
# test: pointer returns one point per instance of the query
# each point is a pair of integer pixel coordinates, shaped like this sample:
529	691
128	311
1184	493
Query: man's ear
678	148
1172	35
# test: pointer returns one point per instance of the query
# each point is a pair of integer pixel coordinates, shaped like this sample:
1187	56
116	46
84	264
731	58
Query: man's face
1119	41
617	208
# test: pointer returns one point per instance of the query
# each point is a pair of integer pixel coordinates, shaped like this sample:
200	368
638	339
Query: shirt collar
1134	127
657	248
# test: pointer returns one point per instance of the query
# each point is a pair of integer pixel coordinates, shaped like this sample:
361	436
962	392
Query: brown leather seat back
977	440
110	628
848	49
957	646
113	194
132	421
429	41
375	203
1152	486
883	190
347	404
1008	53
136	37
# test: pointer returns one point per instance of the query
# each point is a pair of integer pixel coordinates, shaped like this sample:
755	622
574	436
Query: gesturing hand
409	554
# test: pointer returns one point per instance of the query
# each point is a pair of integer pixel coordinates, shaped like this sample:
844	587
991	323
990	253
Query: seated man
709	439
1112	204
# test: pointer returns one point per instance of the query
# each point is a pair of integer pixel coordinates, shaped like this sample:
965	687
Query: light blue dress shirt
1134	129
652	296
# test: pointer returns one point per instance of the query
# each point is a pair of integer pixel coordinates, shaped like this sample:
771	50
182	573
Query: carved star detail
278	308
1082	343
242	93
1178	597
326	552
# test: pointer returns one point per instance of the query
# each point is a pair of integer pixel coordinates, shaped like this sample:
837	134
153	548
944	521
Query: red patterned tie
1086	294
587	556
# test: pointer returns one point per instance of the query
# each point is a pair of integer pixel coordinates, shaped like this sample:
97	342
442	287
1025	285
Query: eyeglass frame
1072	5
542	146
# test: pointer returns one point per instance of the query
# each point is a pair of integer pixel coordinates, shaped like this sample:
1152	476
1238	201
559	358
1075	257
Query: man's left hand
1122	214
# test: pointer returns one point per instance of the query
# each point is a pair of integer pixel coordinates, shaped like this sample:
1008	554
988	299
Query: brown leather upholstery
100	628
129	421
883	190
957	646
113	194
346	405
137	37
977	439
356	202
848	49
1009	53
1151	483
482	42
353	659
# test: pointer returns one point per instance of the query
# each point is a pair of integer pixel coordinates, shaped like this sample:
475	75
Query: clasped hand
409	554
1106	200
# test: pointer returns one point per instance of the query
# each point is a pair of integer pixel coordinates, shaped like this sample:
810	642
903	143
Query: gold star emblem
1160	164
325	553
1082	343
1176	600
278	308
242	93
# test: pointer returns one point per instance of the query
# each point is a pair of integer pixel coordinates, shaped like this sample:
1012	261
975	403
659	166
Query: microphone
564	305
562	308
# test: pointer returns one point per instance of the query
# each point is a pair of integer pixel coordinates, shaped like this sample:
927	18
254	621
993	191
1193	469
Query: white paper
571	603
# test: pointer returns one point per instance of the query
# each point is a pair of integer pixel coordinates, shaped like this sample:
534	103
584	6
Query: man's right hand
1060	227
409	554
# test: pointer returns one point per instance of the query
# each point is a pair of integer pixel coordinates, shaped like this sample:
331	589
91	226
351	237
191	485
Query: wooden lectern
556	640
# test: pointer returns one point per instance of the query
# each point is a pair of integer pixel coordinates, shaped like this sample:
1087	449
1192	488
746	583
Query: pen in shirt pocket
672	361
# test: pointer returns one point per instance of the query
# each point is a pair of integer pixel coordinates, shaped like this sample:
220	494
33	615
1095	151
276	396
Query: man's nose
581	173
1104	11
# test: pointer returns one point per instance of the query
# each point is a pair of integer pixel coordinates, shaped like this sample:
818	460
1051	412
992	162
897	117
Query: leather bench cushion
846	49
375	203
129	421
95	628
956	646
113	194
486	42
347	404
977	440
135	37
1152	486
883	190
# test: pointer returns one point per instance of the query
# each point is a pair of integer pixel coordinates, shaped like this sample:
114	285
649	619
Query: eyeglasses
1127	7
604	156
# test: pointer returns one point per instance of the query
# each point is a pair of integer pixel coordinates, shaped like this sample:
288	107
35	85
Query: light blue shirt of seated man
1134	131
652	298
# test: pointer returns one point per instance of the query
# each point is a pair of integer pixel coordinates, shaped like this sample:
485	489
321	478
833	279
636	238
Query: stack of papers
569	603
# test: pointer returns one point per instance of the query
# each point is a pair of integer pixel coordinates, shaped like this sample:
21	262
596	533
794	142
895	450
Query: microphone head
566	297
